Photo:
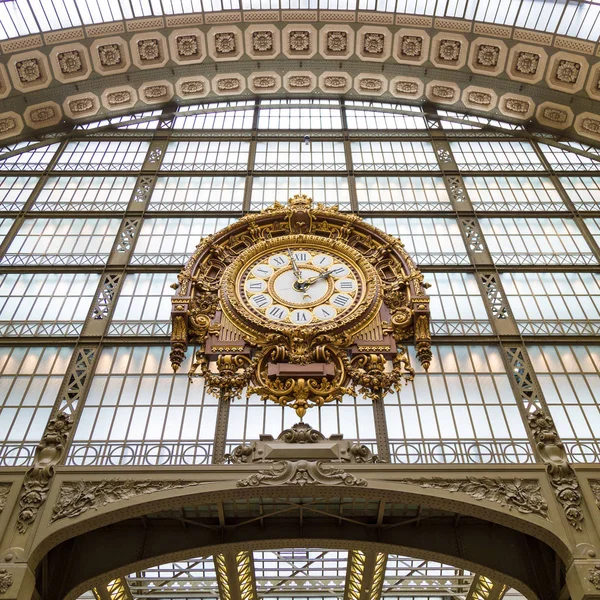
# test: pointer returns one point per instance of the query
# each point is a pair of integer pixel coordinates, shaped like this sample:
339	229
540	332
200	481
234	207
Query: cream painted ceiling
87	72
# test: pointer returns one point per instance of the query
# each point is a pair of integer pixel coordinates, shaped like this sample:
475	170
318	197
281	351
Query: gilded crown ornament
302	305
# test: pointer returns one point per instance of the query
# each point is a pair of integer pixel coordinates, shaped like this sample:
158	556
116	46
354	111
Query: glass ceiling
575	18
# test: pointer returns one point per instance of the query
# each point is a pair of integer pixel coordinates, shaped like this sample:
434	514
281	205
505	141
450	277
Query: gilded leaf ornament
518	494
77	497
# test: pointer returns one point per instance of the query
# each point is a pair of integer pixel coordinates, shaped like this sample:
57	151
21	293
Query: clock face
300	285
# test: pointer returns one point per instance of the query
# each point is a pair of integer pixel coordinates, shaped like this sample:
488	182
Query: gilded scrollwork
388	284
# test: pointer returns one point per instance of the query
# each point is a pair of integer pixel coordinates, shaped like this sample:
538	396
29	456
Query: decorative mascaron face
300	285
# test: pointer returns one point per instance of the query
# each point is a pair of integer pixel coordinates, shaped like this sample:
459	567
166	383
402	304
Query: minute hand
295	269
317	277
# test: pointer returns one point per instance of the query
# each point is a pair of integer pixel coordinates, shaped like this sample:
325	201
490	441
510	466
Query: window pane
393	156
45	303
14	191
206	156
62	242
31	378
88	156
461	411
138	412
298	156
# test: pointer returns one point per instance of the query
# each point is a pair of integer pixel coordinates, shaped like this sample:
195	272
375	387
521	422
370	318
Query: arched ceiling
87	72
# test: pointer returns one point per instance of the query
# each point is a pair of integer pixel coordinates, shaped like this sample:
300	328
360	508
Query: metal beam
483	588
235	575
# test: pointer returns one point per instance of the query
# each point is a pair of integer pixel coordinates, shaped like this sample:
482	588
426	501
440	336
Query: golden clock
300	281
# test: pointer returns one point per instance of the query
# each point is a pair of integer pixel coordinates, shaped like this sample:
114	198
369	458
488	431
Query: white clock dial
301	316
262	270
283	287
338	271
346	285
301	286
322	260
341	301
256	285
277	312
279	260
324	312
261	300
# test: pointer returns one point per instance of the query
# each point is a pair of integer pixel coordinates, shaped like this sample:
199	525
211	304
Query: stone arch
483	536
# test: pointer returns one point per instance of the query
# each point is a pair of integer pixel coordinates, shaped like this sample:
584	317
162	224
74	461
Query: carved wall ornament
516	106
45	113
192	87
28	70
81	105
449	50
370	84
225	43
443	91
411	45
70	62
407	87
187	46
76	498
527	63
480	98
335	81
299	41
4	490
591	125
487	55
568	71
6	580
116	98
228	84
555	114
149	49
595	485
337	41
374	43
262	41
7	124
264	82
562	476
301	473
299	81
37	479
153	92
521	495
110	55
594	576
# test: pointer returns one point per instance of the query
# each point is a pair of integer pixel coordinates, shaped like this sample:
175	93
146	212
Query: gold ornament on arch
302	305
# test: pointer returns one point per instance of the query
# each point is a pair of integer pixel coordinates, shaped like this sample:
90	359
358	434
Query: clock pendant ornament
300	305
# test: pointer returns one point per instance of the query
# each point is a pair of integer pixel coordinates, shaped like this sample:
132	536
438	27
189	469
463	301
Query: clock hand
312	280
295	268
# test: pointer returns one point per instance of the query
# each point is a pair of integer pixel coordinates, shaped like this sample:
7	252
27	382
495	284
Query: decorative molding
594	577
522	495
562	475
301	473
4	491
77	497
37	479
6	580
595	486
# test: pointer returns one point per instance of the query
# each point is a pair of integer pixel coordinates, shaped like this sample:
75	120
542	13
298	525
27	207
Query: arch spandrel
98	511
